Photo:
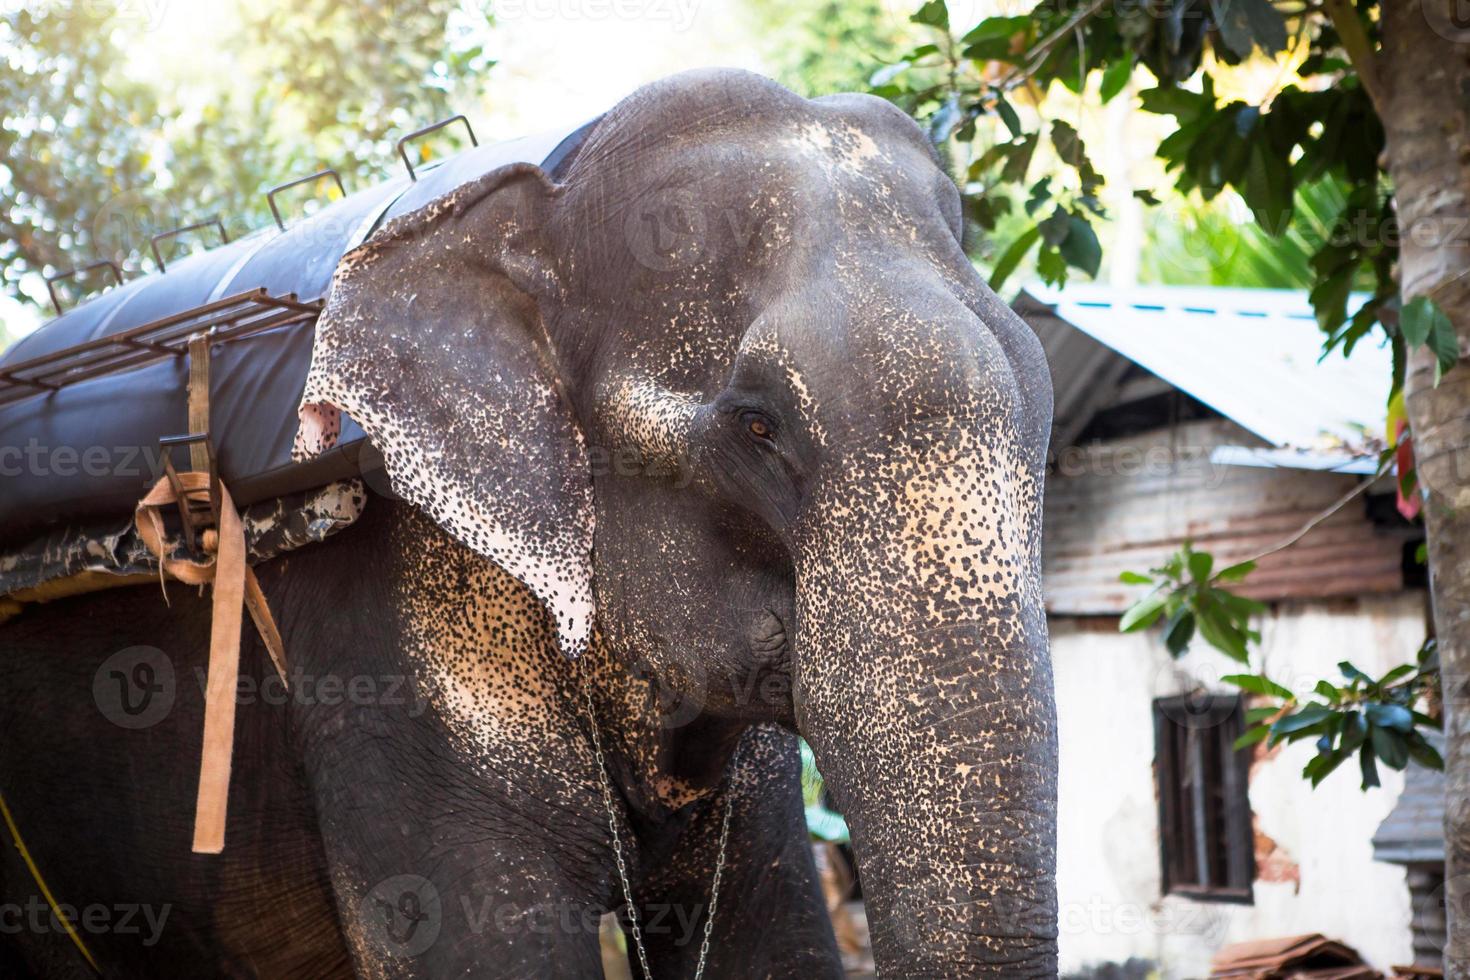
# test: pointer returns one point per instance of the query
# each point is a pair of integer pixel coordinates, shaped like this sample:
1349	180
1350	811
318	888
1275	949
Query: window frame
1218	807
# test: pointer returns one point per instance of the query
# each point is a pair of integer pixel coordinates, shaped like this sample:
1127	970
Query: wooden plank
199	400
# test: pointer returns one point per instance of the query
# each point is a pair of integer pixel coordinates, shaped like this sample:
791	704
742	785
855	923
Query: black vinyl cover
89	450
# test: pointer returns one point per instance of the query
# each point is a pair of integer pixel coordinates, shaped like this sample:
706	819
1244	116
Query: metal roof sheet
1253	355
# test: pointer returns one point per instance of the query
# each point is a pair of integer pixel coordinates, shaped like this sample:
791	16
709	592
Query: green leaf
932	14
1352	673
1392	716
1323	728
1019	159
1369	767
823	824
1258	684
1008	115
1308	716
1329	298
1446	347
995	27
1039	194
1070	148
1134	578
1402	670
1255	716
1321	766
1425	721
1051	266
1143	614
1424	753
1418	319
1327	690
1251	737
1268	188
1390	747
1172	100
1248	24
1056	228
1012	257
1220	634
1201	563
1179	631
1236	572
1240	607
1081	248
1115	77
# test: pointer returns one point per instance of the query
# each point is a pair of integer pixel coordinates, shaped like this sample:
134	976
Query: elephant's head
728	387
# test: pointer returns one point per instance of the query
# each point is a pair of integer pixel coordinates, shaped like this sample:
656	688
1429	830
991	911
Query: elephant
713	440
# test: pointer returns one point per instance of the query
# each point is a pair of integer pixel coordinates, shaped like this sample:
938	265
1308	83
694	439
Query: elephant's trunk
923	683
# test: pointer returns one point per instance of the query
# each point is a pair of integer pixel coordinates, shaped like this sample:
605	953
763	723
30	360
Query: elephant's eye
759	426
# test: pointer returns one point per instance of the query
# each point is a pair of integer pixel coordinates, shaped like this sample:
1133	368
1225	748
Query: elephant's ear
432	341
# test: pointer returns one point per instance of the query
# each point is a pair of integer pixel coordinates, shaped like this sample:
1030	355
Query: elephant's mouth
768	641
770	657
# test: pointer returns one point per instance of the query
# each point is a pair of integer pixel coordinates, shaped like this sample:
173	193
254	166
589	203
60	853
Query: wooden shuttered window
1205	836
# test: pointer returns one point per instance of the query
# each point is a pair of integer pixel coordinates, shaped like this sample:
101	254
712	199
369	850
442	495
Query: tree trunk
1426	112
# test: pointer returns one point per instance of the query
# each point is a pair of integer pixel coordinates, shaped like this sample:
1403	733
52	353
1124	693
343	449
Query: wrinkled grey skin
736	423
767	297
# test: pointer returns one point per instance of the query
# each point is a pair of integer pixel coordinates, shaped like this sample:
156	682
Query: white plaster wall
1108	848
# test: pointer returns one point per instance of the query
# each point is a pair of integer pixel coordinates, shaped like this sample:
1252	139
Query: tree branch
1336	506
1043	48
1355	42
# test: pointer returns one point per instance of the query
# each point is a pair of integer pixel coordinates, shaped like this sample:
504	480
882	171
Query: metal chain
617	843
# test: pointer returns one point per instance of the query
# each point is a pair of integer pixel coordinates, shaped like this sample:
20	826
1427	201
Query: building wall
1128	504
1315	868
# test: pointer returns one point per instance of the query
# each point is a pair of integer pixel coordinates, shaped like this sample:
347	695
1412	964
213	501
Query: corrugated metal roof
1296	459
1253	355
1413	831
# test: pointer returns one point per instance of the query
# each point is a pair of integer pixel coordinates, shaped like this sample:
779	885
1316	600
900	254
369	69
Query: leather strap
234	584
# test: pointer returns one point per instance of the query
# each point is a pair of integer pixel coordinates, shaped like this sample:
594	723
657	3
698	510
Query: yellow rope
25	856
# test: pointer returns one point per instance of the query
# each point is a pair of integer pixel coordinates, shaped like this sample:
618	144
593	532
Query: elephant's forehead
842	144
873	354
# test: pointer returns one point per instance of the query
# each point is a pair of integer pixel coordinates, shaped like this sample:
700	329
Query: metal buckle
191	509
